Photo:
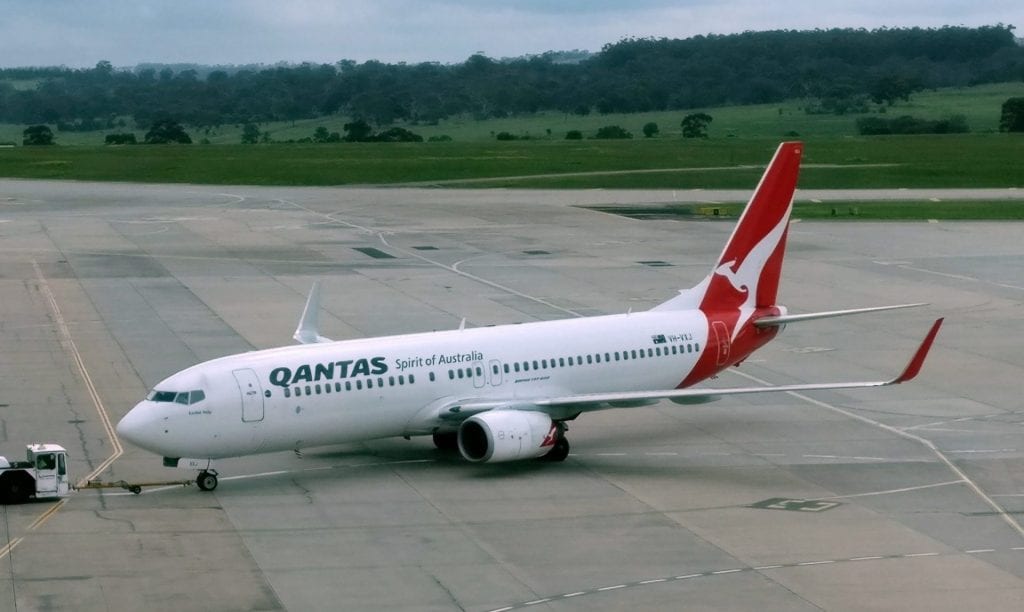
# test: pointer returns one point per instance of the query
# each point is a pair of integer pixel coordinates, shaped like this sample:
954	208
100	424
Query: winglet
308	331
918	359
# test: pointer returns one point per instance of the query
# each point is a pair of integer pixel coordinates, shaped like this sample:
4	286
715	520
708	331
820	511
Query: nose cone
138	427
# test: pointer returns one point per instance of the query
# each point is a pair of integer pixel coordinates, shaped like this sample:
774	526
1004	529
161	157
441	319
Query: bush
574	135
397	134
120	139
876	126
1012	118
650	129
37	135
506	136
612	132
441	138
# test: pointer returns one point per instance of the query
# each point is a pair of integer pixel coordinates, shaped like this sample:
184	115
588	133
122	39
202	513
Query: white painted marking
664	454
537	601
983	450
935	199
612	588
576	594
767	567
505	609
962	277
688	576
609	454
933	220
931	554
888	491
653	581
815	562
979	550
871	558
845	457
728	571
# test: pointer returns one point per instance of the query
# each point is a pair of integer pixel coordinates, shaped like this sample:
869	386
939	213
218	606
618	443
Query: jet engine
507	435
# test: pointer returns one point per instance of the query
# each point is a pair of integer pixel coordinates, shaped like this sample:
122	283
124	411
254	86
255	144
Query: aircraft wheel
447	441
206	481
559	451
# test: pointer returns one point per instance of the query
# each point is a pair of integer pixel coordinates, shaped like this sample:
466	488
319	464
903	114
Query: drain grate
375	253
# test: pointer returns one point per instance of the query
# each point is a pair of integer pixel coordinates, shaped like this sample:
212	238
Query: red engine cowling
506	435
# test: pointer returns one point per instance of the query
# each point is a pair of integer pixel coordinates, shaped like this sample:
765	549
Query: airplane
500	393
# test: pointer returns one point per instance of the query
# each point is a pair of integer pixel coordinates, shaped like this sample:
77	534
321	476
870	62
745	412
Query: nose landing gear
207	480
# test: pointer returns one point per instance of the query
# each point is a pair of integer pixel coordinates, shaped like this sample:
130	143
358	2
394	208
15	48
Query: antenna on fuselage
308	331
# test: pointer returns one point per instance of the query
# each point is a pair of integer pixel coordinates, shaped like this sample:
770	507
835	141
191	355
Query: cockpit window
183	397
161	396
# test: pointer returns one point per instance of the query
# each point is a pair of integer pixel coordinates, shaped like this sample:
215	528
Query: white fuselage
316	394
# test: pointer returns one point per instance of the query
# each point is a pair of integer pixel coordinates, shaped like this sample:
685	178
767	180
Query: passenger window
359	385
327	388
561	362
287	392
460	374
309	390
505	366
526	366
337	387
380	381
590	359
535	365
348	385
480	371
696	347
412	378
298	391
431	378
318	389
494	369
401	379
544	363
516	364
369	383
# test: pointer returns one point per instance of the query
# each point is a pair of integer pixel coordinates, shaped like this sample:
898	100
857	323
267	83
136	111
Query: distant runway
902	498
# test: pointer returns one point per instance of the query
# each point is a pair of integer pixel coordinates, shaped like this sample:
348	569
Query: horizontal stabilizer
811	316
308	331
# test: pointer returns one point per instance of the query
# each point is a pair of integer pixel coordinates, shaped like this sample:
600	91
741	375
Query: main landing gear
207	480
447	441
559	451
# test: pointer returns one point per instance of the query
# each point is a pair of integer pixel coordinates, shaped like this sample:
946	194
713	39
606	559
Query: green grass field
968	160
952	210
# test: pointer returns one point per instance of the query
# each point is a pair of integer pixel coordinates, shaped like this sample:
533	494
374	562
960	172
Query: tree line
838	70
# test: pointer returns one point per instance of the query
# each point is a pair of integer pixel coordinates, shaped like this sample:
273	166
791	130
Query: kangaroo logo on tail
746	277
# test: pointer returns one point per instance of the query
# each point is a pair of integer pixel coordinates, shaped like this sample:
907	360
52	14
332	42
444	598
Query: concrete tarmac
904	498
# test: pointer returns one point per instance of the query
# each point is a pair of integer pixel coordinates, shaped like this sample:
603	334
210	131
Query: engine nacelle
507	435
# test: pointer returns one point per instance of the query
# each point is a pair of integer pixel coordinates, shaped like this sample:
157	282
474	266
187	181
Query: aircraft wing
574	404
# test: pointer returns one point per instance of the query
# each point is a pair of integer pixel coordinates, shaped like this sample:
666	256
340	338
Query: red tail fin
748	271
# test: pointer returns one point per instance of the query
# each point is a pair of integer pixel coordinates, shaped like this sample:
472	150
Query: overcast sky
79	33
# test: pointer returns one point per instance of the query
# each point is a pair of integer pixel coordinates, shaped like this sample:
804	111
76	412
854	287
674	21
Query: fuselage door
479	374
495	373
252	394
722	340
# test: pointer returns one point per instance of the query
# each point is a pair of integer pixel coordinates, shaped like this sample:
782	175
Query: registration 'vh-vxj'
499	393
